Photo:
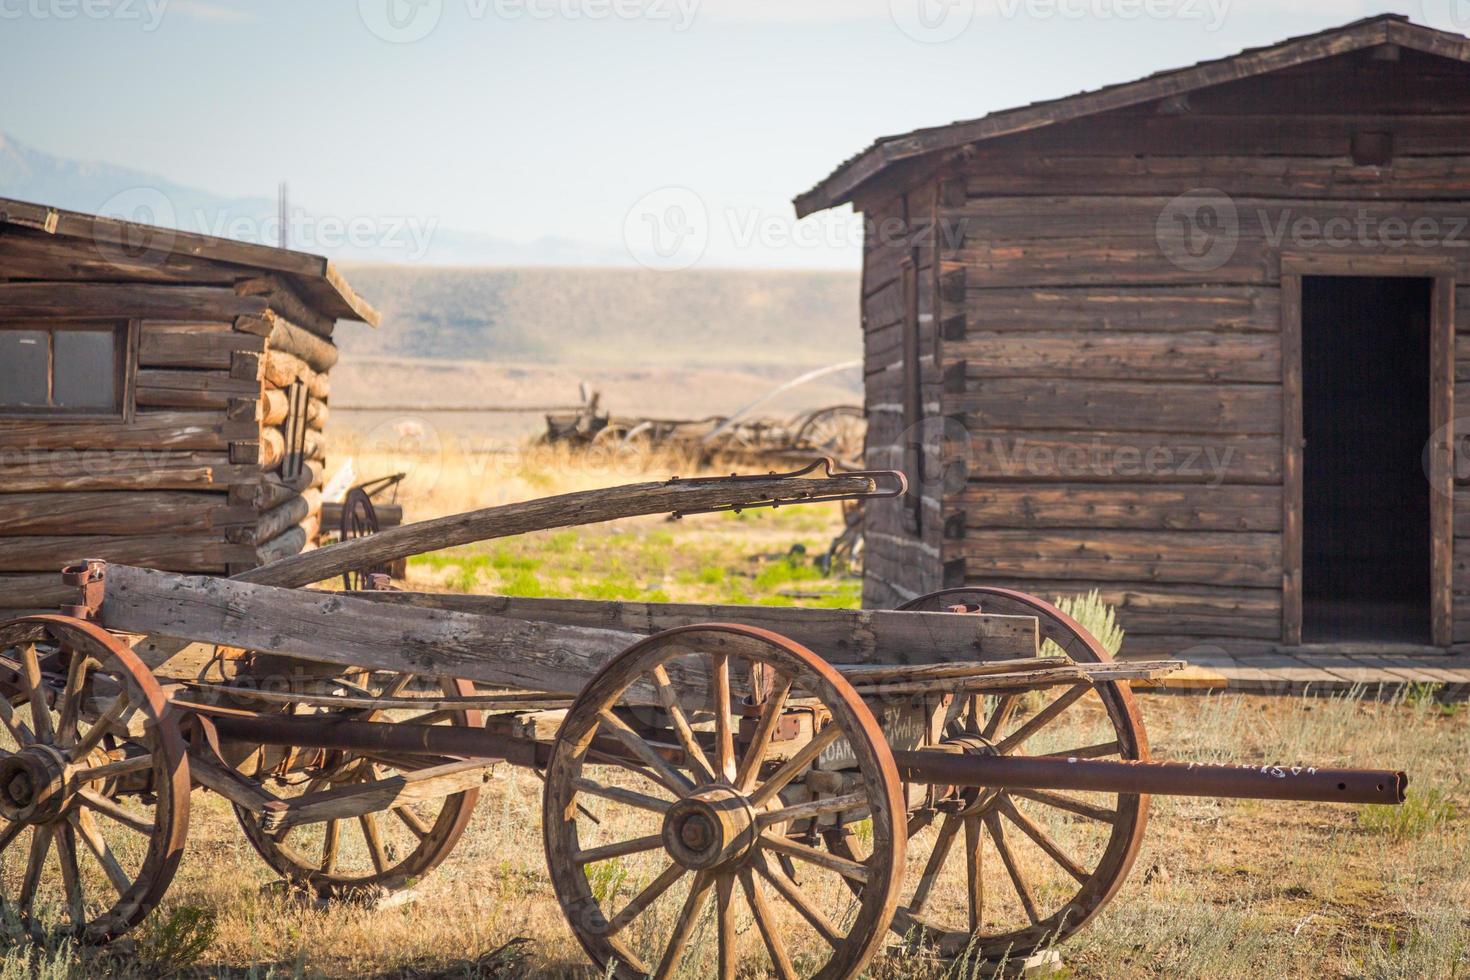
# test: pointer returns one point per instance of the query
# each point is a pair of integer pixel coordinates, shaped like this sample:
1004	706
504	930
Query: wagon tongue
1270	782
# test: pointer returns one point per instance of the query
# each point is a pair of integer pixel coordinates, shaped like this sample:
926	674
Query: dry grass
1221	888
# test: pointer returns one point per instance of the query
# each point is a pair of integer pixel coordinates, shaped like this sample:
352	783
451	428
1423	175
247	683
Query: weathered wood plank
201	552
1113	308
33	591
192	345
583	507
1018	404
165	388
988	506
131	300
142	469
1120	356
1209	558
116	512
1126	457
840	636
148	430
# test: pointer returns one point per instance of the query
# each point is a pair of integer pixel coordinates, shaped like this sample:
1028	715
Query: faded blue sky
529	118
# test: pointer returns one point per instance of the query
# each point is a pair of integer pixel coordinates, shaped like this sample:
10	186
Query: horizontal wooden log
280	519
164	388
389	515
33	255
379	795
317	414
1119	457
1120	356
285	301
23	472
290	543
192	345
987	506
270	490
203	430
275	406
202	552
118	512
565	510
1122	405
840	636
273	448
282	369
33	591
131	300
1113	308
318	353
1210	558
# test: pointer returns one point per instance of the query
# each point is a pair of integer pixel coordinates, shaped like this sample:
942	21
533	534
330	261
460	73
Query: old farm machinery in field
777	790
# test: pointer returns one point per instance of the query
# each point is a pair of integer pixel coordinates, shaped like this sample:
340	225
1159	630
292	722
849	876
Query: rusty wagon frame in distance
772	764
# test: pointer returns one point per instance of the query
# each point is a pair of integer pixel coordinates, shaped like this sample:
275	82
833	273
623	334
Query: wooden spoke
92	836
110	770
943	841
9	834
974	878
71	696
71	875
369	824
1000	717
30	679
111	717
17	728
815	808
698	761
1043	840
685	925
719	696
117	812
824	859
392	690
621	849
412	821
792	893
794	766
1100	751
665	774
997	834
1079	807
1042	718
619	795
755	756
765	922
647	897
331	837
725	919
35	865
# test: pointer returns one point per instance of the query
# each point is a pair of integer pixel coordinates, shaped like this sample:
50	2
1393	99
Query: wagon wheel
837	432
683	817
93	774
381	852
1063	855
359	520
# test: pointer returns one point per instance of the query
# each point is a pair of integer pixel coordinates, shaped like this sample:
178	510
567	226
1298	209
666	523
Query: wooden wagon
773	764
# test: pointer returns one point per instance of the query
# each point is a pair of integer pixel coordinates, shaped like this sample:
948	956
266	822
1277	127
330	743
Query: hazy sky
532	118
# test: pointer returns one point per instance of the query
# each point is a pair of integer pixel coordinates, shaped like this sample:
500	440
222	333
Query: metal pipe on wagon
1270	782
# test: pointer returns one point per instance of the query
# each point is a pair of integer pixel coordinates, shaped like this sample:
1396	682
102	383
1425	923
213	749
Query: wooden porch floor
1307	670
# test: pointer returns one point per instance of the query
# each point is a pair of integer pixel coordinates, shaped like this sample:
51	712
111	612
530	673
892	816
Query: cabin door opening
1366	539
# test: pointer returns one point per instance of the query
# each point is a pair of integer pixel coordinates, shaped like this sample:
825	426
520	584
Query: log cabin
163	398
1191	341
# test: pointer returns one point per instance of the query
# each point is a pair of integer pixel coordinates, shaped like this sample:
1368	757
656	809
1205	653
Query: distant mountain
623	317
28	174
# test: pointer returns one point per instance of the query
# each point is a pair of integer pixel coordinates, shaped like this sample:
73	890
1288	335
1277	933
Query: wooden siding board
1020	404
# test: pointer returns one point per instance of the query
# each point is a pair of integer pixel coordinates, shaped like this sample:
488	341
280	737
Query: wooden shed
163	398
1189	340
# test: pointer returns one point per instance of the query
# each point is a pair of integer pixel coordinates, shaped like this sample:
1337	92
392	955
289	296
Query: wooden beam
161	430
584	507
118	512
841	636
359	799
131	300
1292	444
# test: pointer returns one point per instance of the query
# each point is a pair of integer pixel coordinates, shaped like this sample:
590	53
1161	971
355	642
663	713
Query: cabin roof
312	276
840	185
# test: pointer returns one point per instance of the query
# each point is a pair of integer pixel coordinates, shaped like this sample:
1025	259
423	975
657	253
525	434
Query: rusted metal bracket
88	578
899	485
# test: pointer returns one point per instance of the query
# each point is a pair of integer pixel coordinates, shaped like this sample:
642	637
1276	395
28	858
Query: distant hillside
609	316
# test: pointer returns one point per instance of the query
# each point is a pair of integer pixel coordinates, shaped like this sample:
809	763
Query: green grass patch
1422	811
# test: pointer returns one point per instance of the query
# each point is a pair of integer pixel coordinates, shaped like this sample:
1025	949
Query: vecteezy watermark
1211	13
148	14
1446	457
1455	13
1098	459
1200	230
406	21
672	228
154	224
932	21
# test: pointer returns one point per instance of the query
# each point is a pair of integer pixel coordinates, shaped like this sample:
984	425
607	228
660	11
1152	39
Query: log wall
1122	411
189	480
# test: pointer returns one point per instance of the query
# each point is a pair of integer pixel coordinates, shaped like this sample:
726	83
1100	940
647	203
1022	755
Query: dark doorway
1365	417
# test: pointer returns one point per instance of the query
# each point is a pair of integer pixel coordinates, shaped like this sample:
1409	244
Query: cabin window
64	368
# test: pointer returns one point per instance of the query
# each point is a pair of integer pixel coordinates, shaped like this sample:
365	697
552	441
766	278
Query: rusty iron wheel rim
1109	870
710	772
435	838
83	833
